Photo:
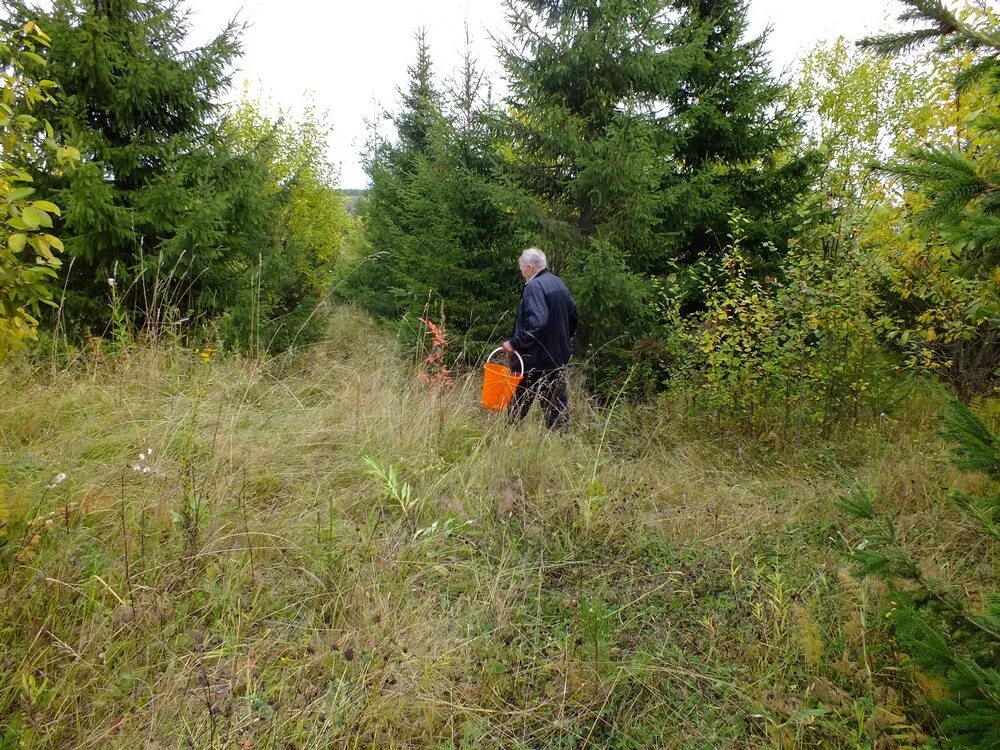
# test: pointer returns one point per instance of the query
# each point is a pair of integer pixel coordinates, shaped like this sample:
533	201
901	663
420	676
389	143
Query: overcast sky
350	56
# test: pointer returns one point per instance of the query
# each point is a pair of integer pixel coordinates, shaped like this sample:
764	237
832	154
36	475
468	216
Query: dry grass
630	584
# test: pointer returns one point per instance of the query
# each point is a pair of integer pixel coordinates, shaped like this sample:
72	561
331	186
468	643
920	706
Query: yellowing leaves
33	30
16	242
47	206
67	155
43	247
35	217
787	339
25	276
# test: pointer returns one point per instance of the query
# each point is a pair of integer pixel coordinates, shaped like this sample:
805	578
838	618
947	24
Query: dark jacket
546	319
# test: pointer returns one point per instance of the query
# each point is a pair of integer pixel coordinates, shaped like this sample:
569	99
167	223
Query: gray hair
533	257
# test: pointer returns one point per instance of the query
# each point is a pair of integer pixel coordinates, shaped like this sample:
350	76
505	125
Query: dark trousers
549	386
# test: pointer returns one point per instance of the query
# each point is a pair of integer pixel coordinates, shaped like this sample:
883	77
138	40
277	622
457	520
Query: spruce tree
396	218
736	143
637	127
421	103
148	199
441	241
589	143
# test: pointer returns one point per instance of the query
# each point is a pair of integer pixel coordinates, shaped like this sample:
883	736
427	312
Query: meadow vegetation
248	496
320	550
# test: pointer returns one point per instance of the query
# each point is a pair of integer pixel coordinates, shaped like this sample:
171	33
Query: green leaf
68	154
19	194
42	247
35	218
16	242
54	242
35	58
52	208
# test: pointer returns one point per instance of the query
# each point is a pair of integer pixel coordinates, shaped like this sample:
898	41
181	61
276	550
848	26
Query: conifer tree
421	110
439	237
736	141
396	218
589	142
139	105
638	127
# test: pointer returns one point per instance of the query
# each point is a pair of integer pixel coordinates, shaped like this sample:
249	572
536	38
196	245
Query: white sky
350	56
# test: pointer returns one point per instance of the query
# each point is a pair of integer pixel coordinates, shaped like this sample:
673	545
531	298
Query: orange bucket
499	383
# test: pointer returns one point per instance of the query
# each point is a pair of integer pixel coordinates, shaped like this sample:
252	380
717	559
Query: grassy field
320	552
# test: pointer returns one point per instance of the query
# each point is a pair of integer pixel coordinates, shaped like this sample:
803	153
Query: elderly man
546	319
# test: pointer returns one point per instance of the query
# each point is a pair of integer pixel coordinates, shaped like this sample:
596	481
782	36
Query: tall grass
320	551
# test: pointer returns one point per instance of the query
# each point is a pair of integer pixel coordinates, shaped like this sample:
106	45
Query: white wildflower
56	480
137	468
145	469
111	282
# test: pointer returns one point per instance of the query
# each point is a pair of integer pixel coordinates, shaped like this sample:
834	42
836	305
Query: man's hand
507	348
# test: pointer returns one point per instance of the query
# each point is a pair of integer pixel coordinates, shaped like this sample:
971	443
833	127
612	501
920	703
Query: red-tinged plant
436	371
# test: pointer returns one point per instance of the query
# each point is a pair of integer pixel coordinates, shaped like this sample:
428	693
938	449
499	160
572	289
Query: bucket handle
500	349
